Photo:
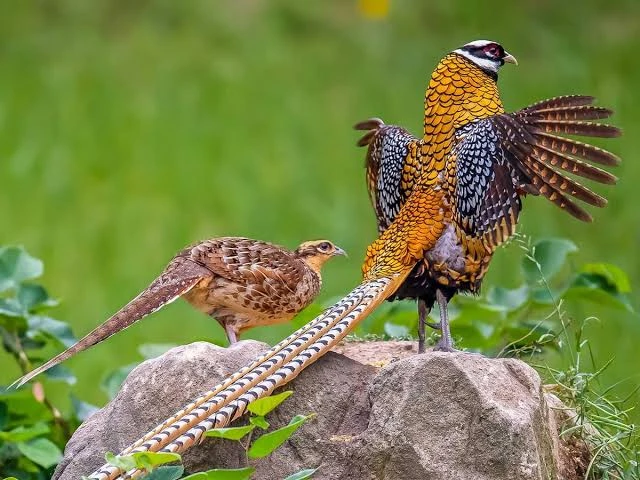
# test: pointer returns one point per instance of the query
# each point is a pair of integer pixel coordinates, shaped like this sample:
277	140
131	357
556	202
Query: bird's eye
492	50
324	247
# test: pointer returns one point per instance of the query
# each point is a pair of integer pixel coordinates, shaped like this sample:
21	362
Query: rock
433	416
152	392
573	453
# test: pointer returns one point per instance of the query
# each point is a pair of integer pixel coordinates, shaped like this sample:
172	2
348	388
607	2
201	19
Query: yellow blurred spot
374	9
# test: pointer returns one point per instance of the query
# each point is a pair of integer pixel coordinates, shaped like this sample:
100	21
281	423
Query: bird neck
459	92
315	263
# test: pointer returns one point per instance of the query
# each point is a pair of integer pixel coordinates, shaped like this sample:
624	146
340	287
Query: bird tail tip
371	126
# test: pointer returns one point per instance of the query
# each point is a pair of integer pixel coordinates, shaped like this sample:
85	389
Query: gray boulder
382	413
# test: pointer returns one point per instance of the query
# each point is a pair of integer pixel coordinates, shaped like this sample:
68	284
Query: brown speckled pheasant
240	282
454	199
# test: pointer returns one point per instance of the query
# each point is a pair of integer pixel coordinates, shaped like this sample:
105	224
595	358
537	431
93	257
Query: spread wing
391	152
247	262
501	158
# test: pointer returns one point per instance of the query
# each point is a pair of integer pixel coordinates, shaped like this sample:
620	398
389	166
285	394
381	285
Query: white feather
484	63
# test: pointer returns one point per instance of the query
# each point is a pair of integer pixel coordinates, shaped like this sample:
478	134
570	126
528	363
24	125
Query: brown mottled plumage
242	283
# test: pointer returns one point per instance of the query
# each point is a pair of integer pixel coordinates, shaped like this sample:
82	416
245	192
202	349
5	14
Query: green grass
129	129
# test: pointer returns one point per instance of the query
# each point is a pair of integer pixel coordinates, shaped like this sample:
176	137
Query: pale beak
508	58
339	251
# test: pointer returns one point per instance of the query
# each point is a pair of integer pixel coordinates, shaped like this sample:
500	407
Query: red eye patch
492	49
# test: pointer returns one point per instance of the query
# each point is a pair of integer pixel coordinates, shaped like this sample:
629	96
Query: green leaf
615	276
83	410
150	460
4	414
396	331
125	462
16	266
223	474
25	407
471	337
11	307
113	381
264	405
143	460
599	297
475	312
259	422
33	296
61	331
61	372
41	451
545	296
153	350
166	473
268	442
232	433
302	474
23	434
599	289
508	299
549	256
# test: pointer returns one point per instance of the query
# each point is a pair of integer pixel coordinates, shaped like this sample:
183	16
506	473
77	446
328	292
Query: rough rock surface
390	416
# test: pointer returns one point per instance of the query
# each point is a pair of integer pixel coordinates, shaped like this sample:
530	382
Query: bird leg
445	344
231	333
423	314
423	311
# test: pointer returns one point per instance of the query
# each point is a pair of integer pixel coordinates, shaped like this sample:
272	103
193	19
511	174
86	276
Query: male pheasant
455	198
240	282
486	161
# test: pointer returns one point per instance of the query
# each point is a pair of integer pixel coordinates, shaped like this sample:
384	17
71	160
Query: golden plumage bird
484	161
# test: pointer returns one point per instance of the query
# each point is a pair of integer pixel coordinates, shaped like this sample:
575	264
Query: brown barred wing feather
249	262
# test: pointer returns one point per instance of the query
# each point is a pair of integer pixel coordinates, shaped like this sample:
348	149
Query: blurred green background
129	129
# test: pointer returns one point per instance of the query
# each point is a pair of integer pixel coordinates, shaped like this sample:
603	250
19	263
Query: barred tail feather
152	299
282	364
167	430
543	156
588	129
567	185
576	149
569	113
561	101
556	196
573	166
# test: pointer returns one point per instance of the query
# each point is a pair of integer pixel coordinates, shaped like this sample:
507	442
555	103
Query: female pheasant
485	161
447	201
240	282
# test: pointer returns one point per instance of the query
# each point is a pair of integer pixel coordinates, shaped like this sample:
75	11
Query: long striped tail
177	279
229	400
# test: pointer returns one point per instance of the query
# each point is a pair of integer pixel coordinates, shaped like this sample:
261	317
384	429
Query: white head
487	55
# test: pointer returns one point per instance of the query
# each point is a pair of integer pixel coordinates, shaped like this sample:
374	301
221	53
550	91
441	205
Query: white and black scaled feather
389	147
486	181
